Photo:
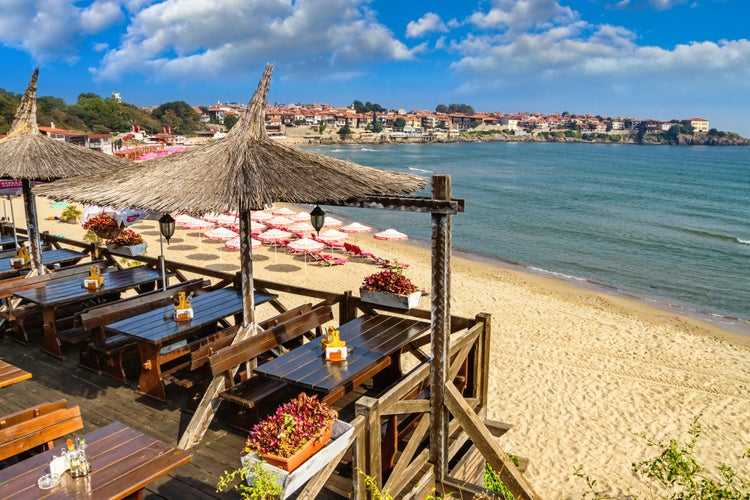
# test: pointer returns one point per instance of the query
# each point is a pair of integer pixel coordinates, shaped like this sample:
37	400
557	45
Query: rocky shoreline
294	137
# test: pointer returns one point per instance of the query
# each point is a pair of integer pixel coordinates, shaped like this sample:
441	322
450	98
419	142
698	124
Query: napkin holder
333	347
183	311
58	466
94	280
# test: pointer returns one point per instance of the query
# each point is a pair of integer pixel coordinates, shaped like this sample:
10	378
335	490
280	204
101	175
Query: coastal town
299	124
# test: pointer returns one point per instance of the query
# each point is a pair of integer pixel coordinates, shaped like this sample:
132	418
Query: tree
230	121
375	125
399	123
455	108
345	131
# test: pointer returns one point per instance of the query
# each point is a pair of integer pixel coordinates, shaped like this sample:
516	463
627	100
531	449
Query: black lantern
166	226
317	218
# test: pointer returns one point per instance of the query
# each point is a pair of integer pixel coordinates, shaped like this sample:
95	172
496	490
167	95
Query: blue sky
660	59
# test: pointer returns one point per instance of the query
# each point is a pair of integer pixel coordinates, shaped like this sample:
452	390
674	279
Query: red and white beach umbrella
210	217
390	235
355	227
306	245
283	211
260	215
278	221
197	224
332	222
274	236
182	219
234	243
331	236
300	228
220	233
300	217
227	220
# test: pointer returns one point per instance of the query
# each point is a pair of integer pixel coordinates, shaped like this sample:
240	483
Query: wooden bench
250	390
37	426
195	376
106	354
17	314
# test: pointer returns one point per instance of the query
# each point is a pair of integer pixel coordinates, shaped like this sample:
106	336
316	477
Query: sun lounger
328	259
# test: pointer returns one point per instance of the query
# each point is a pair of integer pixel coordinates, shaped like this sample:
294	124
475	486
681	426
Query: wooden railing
391	435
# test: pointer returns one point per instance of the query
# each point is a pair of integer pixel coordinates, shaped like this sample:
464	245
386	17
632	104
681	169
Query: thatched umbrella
244	171
28	155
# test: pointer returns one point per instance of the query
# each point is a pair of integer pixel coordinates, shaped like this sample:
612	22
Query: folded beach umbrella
28	155
243	171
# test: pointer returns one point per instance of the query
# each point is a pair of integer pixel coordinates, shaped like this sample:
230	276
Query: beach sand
581	375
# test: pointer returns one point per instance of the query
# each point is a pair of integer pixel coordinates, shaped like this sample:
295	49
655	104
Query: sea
668	225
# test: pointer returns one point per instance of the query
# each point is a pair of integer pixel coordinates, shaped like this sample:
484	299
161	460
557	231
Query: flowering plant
292	425
102	222
389	280
126	238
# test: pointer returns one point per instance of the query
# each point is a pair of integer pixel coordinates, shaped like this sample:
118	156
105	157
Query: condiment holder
333	347
21	259
95	280
183	310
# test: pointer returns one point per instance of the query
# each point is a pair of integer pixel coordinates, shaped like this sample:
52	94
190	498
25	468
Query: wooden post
369	408
440	306
32	231
210	402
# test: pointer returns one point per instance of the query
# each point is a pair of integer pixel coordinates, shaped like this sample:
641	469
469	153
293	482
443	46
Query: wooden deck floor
103	400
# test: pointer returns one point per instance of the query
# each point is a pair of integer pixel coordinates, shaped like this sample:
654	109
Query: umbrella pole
13	221
31	226
210	402
161	263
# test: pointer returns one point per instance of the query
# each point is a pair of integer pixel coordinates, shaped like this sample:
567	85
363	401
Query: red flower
389	280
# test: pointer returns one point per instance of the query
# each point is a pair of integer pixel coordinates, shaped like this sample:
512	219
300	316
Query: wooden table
374	343
123	462
61	256
156	329
10	374
70	291
7	240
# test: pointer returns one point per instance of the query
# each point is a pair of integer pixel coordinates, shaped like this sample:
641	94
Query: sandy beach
581	375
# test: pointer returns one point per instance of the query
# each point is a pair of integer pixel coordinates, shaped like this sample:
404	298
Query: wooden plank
406	204
490	449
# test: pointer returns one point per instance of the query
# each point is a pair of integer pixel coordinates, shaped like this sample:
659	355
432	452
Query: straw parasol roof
246	170
25	153
28	155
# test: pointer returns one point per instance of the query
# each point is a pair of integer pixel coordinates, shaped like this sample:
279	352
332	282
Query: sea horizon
665	226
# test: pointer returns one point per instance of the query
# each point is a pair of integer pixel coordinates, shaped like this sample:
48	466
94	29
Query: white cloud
51	29
191	39
522	15
430	22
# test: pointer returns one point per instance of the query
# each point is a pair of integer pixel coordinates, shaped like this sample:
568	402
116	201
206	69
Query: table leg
149	382
51	343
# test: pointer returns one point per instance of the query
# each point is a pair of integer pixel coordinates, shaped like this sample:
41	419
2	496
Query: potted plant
280	444
390	288
128	242
71	214
103	225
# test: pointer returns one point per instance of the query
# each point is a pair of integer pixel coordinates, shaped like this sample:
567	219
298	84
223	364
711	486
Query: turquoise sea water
670	225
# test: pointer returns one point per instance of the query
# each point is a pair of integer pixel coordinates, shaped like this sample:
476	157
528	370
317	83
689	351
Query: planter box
129	251
292	481
390	299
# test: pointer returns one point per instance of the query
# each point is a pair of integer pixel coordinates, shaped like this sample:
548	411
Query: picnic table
123	462
156	329
10	374
61	256
374	343
70	291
